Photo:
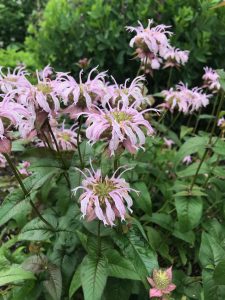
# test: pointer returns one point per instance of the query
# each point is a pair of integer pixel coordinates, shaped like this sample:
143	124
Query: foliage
71	30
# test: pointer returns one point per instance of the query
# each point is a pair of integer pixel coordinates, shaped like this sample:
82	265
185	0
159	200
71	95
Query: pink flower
43	95
23	168
221	123
187	160
184	99
161	283
66	138
119	125
11	81
104	198
169	143
155	39
211	79
175	57
80	96
127	94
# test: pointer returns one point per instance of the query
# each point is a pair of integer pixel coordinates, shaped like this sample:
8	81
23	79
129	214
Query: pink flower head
211	79
184	99
23	168
119	125
104	198
151	42
42	96
169	143
66	138
11	81
161	283
175	57
80	96
187	160
127	94
221	123
2	161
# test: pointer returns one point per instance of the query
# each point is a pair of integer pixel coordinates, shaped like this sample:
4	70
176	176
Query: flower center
121	116
161	279
102	189
64	136
44	88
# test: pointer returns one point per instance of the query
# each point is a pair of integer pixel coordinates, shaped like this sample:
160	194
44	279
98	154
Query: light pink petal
151	281
155	293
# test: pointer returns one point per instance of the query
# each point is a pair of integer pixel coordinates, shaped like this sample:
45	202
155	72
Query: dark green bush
73	29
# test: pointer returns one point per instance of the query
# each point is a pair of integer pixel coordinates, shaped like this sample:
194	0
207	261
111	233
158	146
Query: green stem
78	142
213	111
17	175
169	78
210	141
174	121
99	239
189	120
198	120
60	155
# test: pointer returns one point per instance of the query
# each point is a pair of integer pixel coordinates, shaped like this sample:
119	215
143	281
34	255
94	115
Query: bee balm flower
104	198
211	79
119	125
175	57
161	283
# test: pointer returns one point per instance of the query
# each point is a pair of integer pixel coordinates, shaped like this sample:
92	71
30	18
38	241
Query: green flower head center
121	116
161	279
65	136
44	88
102	189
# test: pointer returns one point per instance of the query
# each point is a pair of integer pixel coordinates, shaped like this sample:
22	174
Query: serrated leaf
189	212
93	277
192	145
120	267
191	170
37	230
144	199
54	284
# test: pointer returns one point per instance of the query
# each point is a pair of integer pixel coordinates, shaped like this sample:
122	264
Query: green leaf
191	170
184	131
14	274
192	145
120	267
219	273
93	277
211	251
144	199
37	230
137	250
54	283
189	212
75	282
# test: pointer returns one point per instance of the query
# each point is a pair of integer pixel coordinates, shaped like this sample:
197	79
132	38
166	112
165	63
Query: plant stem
197	121
174	121
213	111
78	142
26	193
170	77
210	141
99	239
60	155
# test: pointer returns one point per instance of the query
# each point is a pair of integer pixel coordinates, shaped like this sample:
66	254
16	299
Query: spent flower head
161	283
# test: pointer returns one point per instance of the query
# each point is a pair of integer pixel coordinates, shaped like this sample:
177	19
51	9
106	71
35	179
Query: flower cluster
153	46
184	99
211	79
104	198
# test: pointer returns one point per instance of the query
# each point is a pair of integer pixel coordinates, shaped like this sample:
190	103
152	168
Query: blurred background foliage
61	32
